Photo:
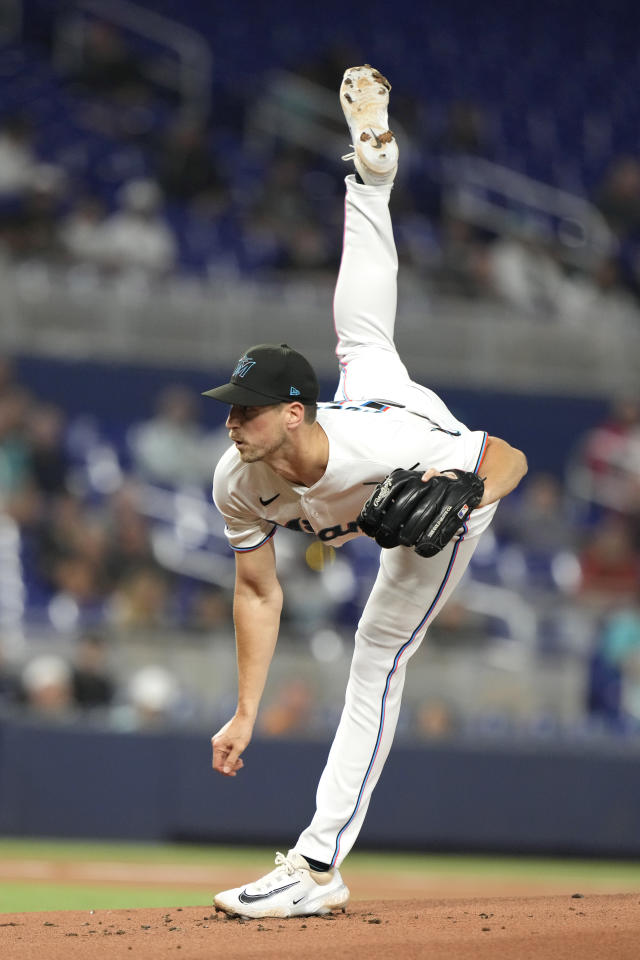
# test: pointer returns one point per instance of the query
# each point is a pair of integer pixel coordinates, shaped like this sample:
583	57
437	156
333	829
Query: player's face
258	432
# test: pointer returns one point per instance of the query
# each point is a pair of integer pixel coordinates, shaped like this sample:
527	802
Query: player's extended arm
502	467
256	613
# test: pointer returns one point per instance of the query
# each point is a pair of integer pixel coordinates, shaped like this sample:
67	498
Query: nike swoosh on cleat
297	901
265	503
245	897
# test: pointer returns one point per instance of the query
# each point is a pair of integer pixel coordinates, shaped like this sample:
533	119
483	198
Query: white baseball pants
409	590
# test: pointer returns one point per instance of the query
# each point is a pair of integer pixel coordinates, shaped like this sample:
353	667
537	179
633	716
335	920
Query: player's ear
294	415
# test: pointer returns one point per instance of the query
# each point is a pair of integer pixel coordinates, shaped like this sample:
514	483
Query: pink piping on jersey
343	378
343	364
249	549
396	660
483	450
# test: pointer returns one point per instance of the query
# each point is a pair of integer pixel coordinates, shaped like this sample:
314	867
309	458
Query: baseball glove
406	511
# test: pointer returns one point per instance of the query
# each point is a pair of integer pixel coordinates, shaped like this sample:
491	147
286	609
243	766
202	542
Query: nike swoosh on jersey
265	503
245	897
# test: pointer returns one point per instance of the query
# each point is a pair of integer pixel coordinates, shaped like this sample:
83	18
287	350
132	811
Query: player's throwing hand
229	743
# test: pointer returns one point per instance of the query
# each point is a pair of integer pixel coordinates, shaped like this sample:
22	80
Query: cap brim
233	393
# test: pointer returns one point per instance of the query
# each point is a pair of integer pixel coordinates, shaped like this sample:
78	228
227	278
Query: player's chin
248	455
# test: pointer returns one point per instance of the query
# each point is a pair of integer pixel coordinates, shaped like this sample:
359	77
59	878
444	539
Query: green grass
27	897
104	850
593	875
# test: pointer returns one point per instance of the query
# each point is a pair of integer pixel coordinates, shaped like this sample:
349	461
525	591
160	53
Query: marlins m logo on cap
243	366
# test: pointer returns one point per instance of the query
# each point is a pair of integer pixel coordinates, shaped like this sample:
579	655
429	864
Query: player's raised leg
365	297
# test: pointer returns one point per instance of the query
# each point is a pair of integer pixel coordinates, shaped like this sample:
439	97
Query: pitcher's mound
591	927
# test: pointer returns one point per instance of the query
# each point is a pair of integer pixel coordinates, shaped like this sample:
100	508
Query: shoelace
285	864
349	156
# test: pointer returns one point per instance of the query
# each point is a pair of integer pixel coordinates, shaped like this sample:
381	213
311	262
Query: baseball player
311	467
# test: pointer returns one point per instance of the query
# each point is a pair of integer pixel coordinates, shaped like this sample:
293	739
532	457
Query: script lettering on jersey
328	533
380	406
371	406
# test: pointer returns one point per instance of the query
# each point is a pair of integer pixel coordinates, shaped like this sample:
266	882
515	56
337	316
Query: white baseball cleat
364	96
291	890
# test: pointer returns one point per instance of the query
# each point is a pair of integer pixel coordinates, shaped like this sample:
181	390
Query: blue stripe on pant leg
393	669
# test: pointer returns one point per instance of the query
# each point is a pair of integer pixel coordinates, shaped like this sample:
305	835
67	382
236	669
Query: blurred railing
207	323
184	63
471	685
294	109
507	202
11	20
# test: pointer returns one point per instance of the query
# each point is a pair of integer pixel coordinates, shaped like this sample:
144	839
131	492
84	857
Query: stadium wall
556	799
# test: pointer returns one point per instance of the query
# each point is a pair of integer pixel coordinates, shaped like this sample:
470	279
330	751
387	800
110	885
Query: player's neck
305	459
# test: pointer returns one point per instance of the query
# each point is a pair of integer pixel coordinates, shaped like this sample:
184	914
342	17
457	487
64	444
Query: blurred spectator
48	461
93	685
209	611
435	720
9	684
153	697
31	228
185	166
80	581
606	444
458	626
18	161
610	564
291	713
141	600
464	130
465	267
7	375
58	533
614	668
109	68
71	553
524	272
328	67
539	518
619	196
173	447
82	232
137	235
128	541
608	467
47	686
18	494
14	451
287	211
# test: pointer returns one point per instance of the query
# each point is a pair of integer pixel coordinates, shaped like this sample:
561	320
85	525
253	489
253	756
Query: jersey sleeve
442	449
244	530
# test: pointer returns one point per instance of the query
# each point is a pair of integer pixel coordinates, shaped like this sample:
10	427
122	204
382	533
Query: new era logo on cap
293	392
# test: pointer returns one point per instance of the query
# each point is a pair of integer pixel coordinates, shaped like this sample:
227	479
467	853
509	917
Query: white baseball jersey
367	440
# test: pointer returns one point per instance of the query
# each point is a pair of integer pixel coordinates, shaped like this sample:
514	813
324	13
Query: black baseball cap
269	373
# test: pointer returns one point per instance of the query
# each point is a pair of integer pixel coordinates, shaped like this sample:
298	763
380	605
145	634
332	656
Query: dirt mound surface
592	927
